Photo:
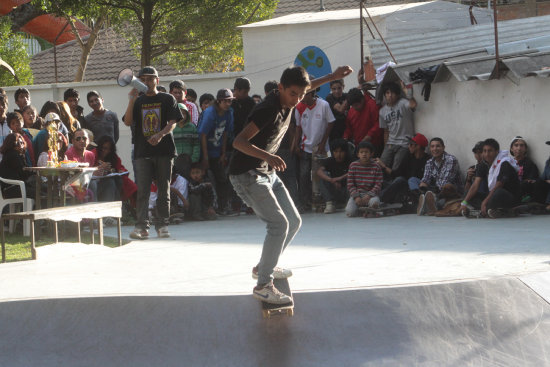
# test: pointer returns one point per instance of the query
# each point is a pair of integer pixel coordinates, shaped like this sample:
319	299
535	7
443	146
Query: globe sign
316	63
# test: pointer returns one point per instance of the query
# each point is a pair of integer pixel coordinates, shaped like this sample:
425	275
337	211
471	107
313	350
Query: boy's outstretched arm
340	73
242	143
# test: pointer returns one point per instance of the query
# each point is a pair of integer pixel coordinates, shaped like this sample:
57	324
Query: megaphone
126	77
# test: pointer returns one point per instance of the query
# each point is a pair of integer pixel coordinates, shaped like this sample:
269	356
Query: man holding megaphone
153	116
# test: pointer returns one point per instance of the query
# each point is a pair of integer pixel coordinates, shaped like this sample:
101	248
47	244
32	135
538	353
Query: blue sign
316	63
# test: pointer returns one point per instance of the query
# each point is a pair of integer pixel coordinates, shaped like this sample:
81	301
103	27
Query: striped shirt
364	180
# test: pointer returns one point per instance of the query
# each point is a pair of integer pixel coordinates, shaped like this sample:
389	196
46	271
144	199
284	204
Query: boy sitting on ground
364	180
201	195
333	174
179	203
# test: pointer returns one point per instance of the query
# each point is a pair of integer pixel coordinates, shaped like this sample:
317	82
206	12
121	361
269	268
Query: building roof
286	7
110	55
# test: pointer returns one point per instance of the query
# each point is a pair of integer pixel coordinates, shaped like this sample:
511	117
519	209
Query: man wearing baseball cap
215	127
404	186
153	116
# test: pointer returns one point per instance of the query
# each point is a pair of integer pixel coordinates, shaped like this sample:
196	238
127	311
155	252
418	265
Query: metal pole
382	38
497	58
361	36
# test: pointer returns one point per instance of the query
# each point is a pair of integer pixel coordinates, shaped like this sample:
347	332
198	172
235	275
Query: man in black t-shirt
153	116
502	180
252	173
339	106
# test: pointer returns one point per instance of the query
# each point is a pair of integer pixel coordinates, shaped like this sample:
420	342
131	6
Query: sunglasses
79	138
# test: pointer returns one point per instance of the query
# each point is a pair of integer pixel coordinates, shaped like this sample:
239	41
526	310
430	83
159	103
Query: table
66	177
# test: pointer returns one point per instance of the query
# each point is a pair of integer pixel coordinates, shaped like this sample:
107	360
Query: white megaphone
126	77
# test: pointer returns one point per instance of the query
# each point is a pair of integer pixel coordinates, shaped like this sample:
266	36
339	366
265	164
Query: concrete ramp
499	322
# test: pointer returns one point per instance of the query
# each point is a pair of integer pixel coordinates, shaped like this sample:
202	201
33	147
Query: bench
74	213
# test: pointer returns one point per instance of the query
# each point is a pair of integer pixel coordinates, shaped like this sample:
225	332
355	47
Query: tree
199	34
13	51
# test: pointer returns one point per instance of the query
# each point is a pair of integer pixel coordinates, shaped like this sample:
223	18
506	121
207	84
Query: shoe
420	209
496	213
162	232
329	208
278	273
268	293
139	234
429	203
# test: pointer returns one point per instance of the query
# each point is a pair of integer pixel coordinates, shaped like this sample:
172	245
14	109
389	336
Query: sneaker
139	234
429	203
420	209
268	293
278	273
329	208
162	232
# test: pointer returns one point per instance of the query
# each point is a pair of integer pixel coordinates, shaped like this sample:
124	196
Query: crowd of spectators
342	152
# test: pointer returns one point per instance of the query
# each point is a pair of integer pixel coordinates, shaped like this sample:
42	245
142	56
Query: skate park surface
395	291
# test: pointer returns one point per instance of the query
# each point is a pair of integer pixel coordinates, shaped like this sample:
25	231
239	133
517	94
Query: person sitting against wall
441	180
528	172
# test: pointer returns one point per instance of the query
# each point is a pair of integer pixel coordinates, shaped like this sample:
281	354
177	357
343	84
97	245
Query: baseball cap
224	93
419	139
148	70
52	116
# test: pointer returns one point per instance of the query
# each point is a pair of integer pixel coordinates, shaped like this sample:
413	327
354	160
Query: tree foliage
13	51
197	34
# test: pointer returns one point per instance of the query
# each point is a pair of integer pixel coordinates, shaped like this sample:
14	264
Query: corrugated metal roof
439	46
286	7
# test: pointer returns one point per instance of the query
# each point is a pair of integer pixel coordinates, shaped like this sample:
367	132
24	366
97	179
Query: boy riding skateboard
252	173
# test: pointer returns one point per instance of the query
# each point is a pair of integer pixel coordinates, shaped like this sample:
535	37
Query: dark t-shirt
339	124
335	168
507	175
528	170
151	115
411	166
241	110
482	171
272	120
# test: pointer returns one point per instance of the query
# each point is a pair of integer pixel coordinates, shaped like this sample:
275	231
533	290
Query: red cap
420	140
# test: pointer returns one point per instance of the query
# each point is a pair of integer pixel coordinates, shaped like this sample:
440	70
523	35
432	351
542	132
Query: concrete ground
402	290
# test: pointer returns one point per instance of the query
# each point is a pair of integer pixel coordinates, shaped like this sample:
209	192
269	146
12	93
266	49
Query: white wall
116	98
462	113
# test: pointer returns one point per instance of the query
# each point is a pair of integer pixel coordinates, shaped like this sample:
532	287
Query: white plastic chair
26	202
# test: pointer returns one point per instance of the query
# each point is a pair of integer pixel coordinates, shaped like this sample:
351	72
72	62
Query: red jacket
365	122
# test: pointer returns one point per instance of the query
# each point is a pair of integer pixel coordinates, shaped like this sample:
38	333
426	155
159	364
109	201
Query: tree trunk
147	28
88	46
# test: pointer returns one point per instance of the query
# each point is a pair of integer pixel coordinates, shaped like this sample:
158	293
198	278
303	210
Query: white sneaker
163	232
329	208
278	273
268	293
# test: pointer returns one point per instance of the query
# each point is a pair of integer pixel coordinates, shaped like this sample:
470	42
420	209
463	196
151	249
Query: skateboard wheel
290	312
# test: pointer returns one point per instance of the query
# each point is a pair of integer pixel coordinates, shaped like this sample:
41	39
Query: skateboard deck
269	309
384	210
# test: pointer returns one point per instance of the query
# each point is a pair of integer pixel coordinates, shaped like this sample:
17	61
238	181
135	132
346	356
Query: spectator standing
22	99
362	120
214	130
242	104
179	90
101	121
153	116
339	107
72	97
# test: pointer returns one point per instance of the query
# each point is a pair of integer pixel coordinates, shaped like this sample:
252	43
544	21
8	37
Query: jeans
414	183
351	207
161	169
106	188
289	174
304	180
221	182
331	193
394	189
502	199
267	195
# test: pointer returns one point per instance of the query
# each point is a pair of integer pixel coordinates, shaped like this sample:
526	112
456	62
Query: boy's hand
342	71
276	162
470	173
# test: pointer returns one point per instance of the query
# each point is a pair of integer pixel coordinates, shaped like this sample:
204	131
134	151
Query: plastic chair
26	202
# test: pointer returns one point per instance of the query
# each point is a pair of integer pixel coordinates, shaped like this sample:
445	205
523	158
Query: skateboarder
252	173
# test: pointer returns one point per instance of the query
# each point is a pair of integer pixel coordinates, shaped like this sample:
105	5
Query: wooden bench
74	213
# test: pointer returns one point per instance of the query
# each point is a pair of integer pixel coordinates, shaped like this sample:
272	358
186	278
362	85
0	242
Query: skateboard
269	309
512	212
385	210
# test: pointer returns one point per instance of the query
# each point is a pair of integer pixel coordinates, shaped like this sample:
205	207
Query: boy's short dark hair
206	97
92	93
355	95
191	93
160	88
177	84
270	86
71	92
295	76
339	144
392	87
20	91
337	81
365	145
242	83
196	165
13	115
4	100
437	139
492	143
478	148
